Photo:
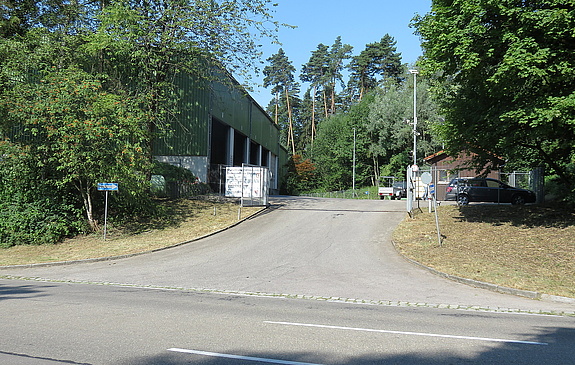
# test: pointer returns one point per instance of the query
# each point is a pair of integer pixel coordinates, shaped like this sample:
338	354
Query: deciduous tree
80	135
505	80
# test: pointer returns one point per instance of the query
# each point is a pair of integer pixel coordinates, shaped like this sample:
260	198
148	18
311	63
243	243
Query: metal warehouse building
221	125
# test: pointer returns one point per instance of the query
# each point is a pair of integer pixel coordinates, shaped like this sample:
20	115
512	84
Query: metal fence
345	194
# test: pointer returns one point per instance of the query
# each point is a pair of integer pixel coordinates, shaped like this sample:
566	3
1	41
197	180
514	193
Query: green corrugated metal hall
221	125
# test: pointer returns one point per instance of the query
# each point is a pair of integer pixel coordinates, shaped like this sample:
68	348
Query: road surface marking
409	333
239	357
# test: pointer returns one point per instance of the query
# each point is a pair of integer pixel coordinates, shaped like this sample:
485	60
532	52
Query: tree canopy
86	86
504	79
375	102
377	59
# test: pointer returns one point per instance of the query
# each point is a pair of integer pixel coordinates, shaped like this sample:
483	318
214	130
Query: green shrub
33	210
175	182
172	173
36	223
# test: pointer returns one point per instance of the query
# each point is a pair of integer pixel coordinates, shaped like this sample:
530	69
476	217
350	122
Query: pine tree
280	75
338	53
377	59
314	72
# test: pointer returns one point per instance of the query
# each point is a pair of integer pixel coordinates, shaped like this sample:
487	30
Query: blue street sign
431	189
107	186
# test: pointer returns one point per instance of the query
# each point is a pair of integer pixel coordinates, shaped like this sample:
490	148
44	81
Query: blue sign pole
106	215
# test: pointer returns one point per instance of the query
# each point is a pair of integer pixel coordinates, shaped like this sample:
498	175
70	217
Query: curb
119	257
488	286
387	303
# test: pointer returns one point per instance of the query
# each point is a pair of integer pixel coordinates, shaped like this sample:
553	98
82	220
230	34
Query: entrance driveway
306	247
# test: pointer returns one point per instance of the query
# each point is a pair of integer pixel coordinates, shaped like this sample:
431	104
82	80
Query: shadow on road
21	291
554	347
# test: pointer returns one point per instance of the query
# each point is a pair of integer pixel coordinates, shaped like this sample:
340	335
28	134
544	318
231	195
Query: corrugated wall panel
231	105
189	132
264	131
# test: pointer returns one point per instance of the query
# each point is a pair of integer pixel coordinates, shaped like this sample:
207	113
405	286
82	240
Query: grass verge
522	247
190	219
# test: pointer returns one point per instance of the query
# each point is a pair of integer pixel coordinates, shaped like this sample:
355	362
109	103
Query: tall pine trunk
313	114
290	131
277	106
325	103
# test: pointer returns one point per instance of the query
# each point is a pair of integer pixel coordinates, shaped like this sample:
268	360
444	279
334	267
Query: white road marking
239	357
409	333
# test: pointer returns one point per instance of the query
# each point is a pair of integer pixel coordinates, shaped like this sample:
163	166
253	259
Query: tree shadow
20	291
528	216
171	213
551	346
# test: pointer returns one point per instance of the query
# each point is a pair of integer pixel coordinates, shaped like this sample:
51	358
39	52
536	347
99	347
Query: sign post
107	187
431	196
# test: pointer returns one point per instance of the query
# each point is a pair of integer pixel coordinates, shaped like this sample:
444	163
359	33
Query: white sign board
247	182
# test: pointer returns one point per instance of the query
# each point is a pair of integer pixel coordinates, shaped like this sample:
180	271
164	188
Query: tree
314	72
504	78
307	120
377	59
301	175
85	87
280	75
80	135
390	129
144	45
338	53
333	149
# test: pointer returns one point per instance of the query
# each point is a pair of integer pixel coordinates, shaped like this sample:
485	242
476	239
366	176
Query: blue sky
358	22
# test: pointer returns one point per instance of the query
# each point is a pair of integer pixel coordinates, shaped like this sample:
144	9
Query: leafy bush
172	173
557	190
32	209
176	182
36	223
301	177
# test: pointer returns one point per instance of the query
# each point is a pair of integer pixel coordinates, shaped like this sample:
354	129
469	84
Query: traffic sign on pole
108	186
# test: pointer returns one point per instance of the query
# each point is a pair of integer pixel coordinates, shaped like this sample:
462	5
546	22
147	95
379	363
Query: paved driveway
311	247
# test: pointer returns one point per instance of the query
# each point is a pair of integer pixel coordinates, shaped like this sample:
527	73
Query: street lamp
414	73
353	173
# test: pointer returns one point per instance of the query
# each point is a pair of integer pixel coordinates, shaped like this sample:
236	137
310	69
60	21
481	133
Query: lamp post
414	73
414	167
353	172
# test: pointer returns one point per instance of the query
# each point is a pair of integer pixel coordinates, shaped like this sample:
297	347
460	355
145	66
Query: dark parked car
465	190
399	190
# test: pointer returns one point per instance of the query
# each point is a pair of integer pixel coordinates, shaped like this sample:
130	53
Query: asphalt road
310	281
